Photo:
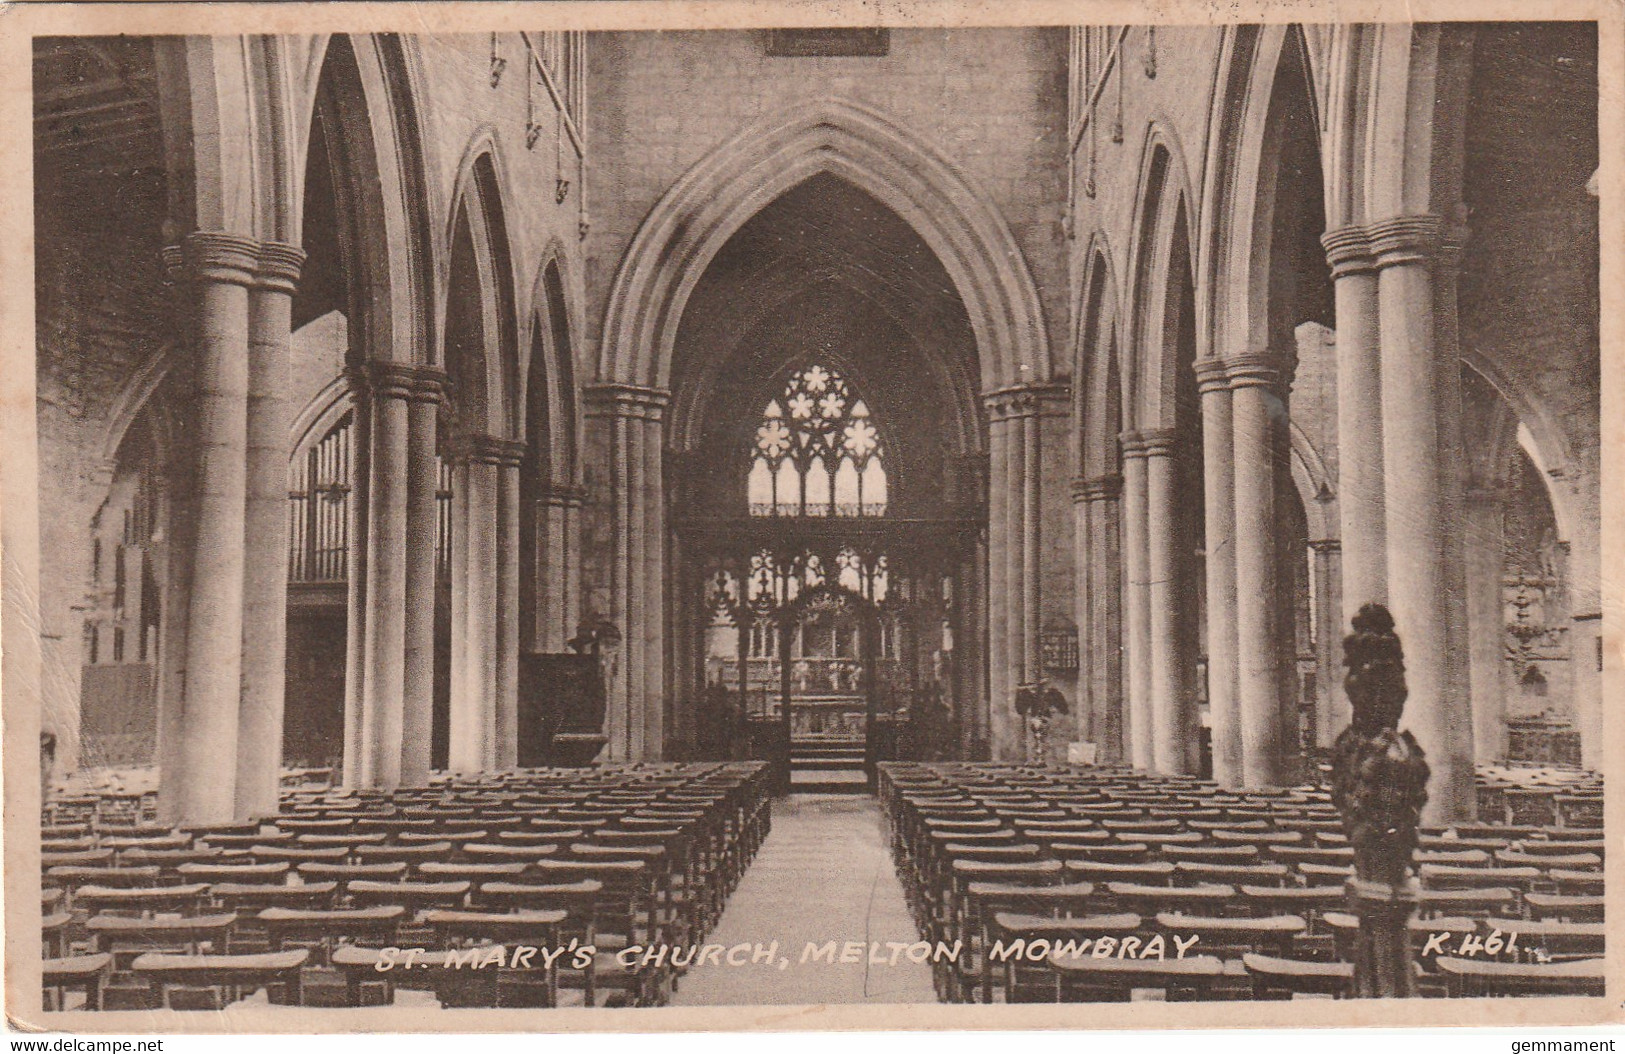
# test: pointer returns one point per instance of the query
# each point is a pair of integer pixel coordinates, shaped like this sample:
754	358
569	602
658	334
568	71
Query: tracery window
817	452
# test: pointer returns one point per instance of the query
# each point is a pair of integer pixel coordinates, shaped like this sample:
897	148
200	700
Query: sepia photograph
597	516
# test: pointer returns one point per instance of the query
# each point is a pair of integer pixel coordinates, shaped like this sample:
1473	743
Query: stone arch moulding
1239	191
405	199
324	410
1090	376
135	396
1316	488
480	192
717	195
1162	193
688	418
559	373
1548	447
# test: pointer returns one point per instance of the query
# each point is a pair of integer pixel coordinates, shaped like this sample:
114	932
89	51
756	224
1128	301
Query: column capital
1259	369
1024	400
219	256
561	495
1212	375
212	256
488	450
1348	250
1159	442
279	267
1149	442
1108	487
626	400
1405	239
403	380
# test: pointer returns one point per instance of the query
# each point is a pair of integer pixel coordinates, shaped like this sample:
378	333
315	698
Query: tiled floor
824	874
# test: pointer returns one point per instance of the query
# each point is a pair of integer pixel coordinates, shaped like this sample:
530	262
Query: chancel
897	488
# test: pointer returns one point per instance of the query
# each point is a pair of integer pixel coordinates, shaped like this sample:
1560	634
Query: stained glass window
817	452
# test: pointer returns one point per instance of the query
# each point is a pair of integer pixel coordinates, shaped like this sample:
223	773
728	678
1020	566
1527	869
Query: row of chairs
995	858
605	858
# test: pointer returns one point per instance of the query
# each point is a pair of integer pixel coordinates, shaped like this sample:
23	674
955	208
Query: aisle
823	875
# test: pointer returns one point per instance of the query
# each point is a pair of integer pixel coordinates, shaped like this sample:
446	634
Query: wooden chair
54	934
454	976
1558	940
320	926
1211	854
87	973
1191	872
1294	900
403	854
1204	899
521	929
1279	978
1156	872
232	975
269	873
127	937
1486	977
1580	861
185	899
1473	902
344	874
1230	937
72	875
248	898
482	871
1572	908
1114	980
1445	876
1026	982
1576	883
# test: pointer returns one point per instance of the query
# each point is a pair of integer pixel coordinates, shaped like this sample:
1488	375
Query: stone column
472	738
1015	491
557	584
1416	454
355	667
1257	413
422	536
634	416
217	270
506	740
1219	533
1137	714
1360	485
1010	412
1101	619
265	536
1086	720
1170	690
1002	677
384	633
1334	712
1486	624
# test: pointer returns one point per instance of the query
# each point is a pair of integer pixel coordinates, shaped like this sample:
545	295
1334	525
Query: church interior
684	490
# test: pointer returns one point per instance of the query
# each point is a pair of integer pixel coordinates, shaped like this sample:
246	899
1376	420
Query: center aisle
824	874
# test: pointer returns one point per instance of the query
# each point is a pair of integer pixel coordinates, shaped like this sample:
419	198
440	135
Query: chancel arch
825	424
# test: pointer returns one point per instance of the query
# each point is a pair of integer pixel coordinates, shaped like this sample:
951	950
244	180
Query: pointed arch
1267	87
1098	395
481	343
1157	280
720	193
550	371
383	164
